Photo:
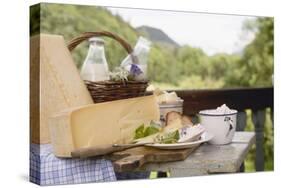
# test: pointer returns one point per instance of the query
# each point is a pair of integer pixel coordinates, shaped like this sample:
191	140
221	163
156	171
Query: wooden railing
255	99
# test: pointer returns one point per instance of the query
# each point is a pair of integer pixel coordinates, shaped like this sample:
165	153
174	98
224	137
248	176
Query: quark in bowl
221	122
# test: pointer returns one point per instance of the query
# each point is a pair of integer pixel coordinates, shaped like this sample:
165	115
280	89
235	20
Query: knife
103	149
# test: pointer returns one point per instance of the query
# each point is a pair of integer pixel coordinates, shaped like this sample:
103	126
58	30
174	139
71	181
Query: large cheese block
101	124
55	83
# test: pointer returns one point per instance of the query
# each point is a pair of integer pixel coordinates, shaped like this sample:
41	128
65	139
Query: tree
256	65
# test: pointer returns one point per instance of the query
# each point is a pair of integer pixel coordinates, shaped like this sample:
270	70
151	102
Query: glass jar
95	67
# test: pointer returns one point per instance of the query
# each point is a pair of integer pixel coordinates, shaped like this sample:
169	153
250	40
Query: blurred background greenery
171	66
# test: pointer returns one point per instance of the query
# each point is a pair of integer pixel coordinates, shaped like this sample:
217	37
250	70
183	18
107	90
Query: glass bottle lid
97	40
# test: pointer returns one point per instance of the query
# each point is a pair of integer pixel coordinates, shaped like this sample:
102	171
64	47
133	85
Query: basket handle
86	35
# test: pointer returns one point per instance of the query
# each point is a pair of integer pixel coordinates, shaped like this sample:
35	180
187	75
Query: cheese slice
100	124
55	83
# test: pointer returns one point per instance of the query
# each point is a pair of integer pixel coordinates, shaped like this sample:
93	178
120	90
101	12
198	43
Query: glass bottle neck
96	53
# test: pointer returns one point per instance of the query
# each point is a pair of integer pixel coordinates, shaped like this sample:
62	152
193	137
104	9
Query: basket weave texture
103	91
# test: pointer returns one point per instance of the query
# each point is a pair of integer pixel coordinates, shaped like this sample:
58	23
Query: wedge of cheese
101	124
55	83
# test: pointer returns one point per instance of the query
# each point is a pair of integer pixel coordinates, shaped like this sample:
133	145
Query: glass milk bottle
95	67
141	51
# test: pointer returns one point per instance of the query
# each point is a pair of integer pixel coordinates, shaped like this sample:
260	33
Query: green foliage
162	65
268	143
167	65
72	20
34	25
221	66
255	68
193	61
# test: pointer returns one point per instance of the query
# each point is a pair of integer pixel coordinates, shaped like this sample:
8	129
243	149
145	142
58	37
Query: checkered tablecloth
47	169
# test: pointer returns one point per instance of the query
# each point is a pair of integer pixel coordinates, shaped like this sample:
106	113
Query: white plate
205	137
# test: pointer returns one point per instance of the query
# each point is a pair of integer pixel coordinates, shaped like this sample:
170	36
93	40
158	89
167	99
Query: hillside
165	64
72	20
157	35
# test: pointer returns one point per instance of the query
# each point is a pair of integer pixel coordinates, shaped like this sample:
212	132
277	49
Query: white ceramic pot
222	126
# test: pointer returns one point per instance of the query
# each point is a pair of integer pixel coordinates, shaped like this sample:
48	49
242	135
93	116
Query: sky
213	33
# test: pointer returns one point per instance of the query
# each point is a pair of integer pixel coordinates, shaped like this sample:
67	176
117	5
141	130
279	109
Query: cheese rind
55	83
101	124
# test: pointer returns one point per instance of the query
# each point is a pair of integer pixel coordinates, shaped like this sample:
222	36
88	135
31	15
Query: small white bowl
222	126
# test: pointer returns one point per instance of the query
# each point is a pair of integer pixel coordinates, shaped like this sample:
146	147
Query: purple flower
135	70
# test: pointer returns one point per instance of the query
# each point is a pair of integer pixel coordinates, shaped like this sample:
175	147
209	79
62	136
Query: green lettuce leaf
150	130
139	132
144	131
168	138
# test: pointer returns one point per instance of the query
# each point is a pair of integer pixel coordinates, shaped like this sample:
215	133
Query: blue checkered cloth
47	169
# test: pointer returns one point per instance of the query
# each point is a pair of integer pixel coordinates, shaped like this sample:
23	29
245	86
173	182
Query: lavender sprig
135	70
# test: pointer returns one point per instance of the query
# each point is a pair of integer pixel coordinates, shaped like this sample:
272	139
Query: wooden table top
210	159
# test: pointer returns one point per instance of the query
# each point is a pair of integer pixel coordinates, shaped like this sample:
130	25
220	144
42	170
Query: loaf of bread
186	121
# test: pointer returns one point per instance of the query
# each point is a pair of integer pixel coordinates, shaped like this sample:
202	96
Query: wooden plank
241	124
241	121
237	98
258	117
210	159
135	158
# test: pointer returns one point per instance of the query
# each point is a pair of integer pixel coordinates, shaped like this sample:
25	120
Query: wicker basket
103	91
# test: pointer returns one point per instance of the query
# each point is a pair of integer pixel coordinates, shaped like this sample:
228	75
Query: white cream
221	110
